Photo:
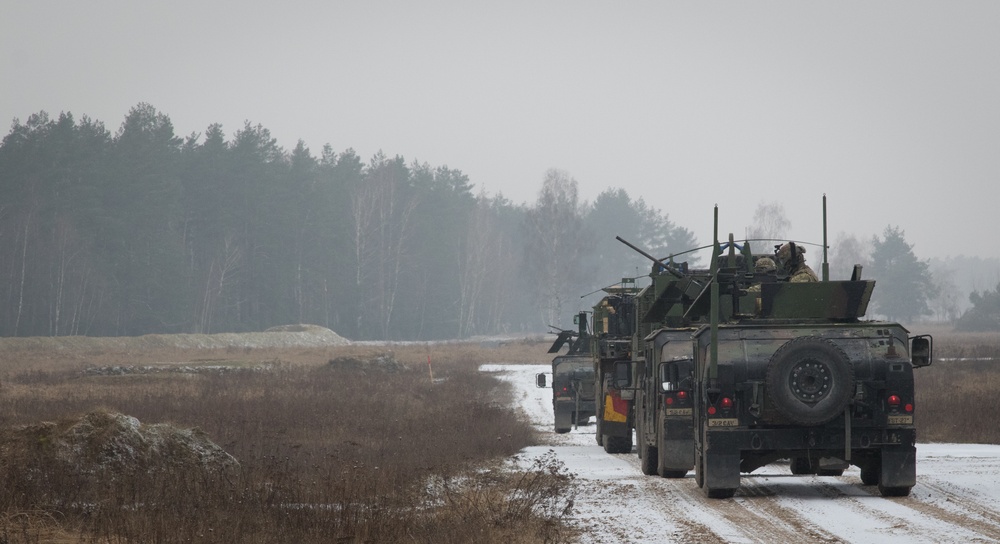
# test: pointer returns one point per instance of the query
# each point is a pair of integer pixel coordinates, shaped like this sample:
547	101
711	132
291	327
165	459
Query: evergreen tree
904	282
614	214
984	314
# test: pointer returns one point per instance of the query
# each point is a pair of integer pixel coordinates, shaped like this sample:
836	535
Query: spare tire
810	380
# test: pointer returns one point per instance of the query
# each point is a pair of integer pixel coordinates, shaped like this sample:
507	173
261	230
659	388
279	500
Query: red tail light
682	395
668	401
726	403
893	400
711	410
908	407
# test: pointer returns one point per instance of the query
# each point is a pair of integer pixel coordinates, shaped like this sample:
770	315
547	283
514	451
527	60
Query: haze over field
889	108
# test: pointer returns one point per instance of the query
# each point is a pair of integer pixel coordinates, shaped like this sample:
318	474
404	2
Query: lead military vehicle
572	377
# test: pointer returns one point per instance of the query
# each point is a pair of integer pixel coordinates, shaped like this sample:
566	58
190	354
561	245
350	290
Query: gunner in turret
791	259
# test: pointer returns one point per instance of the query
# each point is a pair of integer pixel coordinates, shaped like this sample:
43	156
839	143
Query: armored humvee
785	370
614	327
662	365
572	378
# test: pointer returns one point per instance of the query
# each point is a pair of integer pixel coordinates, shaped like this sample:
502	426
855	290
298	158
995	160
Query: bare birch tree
554	245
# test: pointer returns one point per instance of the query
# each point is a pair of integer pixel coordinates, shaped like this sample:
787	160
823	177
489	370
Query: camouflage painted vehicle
796	374
662	368
614	327
787	370
572	378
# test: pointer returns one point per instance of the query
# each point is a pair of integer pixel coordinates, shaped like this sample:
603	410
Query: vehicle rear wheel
617	444
699	470
870	473
649	459
724	493
894	491
801	465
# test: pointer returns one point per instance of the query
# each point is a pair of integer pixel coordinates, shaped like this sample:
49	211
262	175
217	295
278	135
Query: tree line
143	231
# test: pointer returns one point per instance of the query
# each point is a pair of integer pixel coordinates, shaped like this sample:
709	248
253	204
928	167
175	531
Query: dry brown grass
957	397
328	453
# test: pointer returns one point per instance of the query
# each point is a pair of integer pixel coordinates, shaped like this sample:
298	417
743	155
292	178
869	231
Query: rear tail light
893	400
726	403
682	395
668	401
908	408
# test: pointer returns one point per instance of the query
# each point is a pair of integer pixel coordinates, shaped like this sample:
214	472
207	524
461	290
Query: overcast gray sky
892	109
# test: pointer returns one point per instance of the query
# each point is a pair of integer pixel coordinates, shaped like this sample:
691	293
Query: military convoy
734	367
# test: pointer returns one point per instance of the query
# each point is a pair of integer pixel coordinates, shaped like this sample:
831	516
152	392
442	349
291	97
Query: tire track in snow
953	500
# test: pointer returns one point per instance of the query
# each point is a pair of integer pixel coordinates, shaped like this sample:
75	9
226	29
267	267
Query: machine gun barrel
673	271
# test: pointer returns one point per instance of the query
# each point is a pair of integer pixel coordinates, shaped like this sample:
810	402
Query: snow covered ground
956	499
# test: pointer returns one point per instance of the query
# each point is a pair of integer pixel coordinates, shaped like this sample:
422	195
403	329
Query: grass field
330	448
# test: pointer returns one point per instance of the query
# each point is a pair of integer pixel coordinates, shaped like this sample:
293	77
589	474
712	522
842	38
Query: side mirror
623	374
540	380
921	350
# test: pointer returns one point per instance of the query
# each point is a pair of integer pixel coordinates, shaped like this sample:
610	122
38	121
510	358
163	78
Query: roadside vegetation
957	397
349	445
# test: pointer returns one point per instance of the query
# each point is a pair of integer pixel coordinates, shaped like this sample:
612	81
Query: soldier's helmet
763	265
784	254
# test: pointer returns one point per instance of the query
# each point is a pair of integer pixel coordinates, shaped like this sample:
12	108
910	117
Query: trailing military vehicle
788	370
614	326
572	377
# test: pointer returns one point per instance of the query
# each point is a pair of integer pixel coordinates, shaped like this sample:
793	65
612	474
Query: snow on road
956	499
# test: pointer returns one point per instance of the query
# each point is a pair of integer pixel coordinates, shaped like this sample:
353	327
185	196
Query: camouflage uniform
798	270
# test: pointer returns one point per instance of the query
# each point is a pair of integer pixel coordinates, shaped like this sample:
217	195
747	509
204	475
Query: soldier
791	259
763	265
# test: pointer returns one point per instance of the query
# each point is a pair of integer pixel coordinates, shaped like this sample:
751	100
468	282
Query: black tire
562	430
649	459
725	493
830	472
680	473
617	444
638	432
870	473
800	465
894	491
699	470
810	380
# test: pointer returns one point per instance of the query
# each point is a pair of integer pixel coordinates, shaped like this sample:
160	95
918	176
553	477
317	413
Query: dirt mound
103	442
287	336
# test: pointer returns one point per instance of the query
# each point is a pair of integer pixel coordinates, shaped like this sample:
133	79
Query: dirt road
956	499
